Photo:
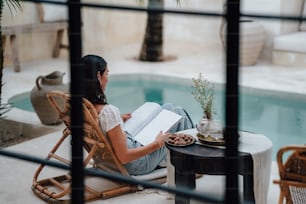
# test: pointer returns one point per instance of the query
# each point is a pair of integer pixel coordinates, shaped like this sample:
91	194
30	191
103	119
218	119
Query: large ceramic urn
40	103
252	39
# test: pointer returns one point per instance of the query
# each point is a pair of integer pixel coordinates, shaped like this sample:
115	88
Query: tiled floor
17	175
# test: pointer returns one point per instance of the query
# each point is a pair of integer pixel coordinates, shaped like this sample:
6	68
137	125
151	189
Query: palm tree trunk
152	46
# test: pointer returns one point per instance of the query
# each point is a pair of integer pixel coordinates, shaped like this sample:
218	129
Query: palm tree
12	4
152	45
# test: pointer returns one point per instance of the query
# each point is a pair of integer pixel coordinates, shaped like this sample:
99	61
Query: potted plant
208	130
203	92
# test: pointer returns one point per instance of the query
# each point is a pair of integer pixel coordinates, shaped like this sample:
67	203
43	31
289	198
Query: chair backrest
292	173
97	145
295	166
52	12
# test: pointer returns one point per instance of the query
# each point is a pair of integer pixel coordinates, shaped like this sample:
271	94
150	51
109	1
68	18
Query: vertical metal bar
232	99
76	91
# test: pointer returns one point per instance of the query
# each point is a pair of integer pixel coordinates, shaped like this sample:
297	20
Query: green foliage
12	5
4	108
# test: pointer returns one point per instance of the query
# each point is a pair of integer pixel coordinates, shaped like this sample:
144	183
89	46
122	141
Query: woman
138	159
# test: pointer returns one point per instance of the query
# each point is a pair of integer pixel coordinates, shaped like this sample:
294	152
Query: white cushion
303	24
295	42
53	12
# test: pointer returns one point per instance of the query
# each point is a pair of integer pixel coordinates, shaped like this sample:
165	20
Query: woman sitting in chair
137	159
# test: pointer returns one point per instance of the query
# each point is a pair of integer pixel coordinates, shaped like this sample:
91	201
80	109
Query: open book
148	120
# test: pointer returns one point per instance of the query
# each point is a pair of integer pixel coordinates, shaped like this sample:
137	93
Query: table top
249	143
205	159
198	150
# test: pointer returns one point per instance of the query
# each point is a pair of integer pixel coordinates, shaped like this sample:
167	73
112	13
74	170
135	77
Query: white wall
105	30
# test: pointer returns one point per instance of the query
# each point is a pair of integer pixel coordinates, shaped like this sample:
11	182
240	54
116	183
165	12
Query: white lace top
109	118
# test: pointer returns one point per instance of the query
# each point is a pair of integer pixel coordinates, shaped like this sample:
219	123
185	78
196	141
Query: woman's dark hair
93	92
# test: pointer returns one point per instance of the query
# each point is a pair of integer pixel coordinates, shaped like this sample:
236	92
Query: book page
141	117
163	121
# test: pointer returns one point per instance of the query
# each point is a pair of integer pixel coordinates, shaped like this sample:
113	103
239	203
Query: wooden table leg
184	179
248	185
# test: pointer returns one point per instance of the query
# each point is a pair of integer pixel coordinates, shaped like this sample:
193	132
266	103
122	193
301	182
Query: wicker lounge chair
292	174
100	155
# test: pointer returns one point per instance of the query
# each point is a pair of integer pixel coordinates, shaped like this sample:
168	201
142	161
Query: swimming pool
279	116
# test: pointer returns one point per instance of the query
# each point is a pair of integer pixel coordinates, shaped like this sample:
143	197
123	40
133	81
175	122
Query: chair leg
15	54
58	42
281	198
3	37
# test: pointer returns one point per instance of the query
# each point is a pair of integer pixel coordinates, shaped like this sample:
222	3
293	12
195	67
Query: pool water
279	116
22	101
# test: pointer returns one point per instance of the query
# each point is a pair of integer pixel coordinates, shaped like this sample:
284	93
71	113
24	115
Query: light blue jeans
150	162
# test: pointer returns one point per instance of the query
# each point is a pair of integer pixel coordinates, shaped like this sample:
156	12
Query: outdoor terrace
187	64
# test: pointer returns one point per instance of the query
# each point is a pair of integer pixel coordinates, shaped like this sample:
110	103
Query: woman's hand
126	116
160	139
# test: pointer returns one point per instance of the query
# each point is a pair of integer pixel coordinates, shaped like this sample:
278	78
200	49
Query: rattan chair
292	174
100	155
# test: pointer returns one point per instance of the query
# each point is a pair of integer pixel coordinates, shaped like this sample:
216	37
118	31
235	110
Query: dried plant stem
203	92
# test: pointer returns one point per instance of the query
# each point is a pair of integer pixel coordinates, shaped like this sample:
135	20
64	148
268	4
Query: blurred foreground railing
77	91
